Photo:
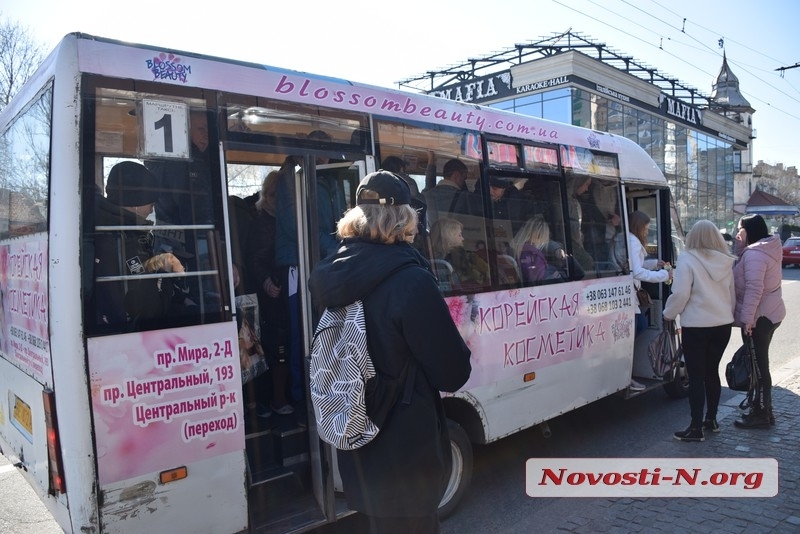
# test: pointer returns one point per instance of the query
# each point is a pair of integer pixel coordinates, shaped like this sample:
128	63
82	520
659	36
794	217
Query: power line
734	61
682	30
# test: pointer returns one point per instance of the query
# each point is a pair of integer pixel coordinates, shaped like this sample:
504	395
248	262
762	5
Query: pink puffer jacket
757	276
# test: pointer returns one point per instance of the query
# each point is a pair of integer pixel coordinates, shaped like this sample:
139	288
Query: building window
737	161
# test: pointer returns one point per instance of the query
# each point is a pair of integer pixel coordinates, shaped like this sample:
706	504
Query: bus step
270	475
293	443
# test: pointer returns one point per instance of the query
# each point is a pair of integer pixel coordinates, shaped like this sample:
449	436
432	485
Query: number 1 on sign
165	129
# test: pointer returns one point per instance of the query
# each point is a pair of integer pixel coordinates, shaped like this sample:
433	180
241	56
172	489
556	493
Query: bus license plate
22	415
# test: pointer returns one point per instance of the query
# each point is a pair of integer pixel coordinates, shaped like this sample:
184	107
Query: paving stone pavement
777	514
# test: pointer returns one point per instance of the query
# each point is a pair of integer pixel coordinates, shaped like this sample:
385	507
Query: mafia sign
680	110
477	90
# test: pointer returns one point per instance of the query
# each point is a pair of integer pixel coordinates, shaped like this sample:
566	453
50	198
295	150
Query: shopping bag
665	350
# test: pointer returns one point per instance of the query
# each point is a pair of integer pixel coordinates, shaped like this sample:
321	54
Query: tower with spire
727	100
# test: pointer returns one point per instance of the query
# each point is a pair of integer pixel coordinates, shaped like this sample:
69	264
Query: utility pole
783	69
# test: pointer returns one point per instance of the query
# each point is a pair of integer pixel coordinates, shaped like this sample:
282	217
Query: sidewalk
778	514
21	512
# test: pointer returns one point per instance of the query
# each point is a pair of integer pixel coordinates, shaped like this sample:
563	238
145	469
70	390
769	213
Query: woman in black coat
398	478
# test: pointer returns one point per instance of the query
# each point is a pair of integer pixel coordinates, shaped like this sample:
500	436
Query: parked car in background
791	252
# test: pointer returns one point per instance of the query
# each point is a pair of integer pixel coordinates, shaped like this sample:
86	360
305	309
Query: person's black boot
711	425
754	419
690	434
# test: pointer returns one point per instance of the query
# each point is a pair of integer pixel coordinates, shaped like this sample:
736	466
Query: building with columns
702	143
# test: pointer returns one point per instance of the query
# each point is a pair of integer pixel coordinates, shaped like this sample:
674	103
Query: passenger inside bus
260	262
456	267
330	208
187	184
131	193
450	195
601	221
187	200
508	204
532	246
330	201
150	301
577	186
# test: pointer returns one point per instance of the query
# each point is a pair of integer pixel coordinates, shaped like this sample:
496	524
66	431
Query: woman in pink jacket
759	305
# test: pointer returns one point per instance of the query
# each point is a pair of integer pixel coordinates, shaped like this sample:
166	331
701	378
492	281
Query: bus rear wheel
461	472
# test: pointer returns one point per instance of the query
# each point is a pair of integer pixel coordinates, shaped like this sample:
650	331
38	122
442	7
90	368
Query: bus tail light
57	484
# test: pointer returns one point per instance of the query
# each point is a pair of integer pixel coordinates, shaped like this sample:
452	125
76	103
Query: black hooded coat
404	470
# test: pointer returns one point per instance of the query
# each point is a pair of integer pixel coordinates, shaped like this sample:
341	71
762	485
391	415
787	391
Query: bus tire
678	387
461	472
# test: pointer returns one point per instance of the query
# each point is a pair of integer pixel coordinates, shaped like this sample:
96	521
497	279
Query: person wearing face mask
131	192
759	305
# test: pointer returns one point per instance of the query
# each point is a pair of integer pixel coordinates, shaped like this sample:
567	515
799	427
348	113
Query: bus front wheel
461	472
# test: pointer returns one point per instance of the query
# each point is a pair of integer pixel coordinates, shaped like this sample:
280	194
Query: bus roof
148	63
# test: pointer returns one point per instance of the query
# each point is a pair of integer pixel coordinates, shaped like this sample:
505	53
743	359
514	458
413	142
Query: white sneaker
636	386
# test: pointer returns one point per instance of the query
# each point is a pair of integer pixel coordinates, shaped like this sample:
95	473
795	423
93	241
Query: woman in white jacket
651	270
703	295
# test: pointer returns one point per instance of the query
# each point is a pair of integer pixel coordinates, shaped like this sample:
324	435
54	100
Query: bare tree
20	56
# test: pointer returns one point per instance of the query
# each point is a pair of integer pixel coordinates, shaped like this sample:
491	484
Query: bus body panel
71	379
143	64
577	334
210	499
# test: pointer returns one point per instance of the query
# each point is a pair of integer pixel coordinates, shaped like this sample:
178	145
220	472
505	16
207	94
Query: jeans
702	351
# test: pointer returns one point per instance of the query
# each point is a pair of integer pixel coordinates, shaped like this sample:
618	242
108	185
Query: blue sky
382	42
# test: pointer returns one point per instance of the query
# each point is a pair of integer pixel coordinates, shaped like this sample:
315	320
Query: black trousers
702	351
762	337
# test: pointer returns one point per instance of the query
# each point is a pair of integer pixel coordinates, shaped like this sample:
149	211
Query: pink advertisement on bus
519	331
164	399
24	311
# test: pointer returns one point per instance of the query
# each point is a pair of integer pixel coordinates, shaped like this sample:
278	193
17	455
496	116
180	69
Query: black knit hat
131	184
391	189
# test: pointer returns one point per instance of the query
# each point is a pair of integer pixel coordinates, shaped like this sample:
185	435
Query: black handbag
738	370
742	374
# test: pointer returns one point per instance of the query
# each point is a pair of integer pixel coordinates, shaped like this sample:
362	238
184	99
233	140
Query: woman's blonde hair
379	223
160	262
705	235
444	235
639	225
535	231
266	198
